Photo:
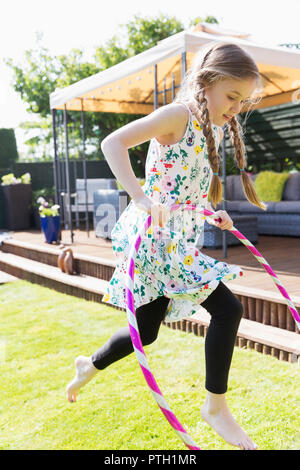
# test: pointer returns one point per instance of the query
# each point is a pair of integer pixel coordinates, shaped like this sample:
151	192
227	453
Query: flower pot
51	228
17	206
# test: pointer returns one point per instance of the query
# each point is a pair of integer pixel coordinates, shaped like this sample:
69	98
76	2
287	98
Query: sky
67	24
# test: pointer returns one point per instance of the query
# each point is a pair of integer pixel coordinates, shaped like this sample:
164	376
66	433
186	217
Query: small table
246	224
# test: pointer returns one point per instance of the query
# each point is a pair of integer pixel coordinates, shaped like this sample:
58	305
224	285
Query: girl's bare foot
216	413
85	371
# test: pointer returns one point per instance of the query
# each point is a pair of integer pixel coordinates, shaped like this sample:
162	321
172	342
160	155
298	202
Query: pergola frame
165	50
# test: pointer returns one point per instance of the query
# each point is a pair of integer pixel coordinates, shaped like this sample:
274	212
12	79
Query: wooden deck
282	253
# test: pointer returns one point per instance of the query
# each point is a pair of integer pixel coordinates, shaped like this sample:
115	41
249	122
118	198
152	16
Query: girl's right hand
160	214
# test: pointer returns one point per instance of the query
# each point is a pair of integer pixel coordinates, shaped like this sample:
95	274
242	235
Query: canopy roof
128	87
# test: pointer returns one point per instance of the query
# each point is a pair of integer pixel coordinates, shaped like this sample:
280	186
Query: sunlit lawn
42	332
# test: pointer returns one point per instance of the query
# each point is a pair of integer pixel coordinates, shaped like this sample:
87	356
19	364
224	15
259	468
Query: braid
200	109
235	134
215	62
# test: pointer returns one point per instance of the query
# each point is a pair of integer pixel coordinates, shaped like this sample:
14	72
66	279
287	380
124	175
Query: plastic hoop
134	331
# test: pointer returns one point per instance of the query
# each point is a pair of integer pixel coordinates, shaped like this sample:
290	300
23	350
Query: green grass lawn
43	331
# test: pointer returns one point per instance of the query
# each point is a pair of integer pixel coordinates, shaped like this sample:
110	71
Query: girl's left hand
226	223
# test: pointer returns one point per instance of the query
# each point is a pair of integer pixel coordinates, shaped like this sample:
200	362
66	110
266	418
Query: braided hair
214	63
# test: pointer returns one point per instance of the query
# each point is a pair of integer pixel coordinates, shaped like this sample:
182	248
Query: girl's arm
165	122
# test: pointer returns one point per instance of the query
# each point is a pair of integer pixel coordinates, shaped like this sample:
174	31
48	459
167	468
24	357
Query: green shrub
8	148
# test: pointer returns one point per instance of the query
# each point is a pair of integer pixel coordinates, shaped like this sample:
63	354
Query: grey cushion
246	206
291	191
108	206
230	188
92	184
230	206
239	193
287	207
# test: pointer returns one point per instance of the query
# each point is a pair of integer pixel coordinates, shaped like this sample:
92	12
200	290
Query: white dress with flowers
169	262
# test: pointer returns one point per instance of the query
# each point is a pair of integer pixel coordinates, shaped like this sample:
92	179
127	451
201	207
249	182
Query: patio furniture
83	198
17	200
213	236
280	218
108	206
92	184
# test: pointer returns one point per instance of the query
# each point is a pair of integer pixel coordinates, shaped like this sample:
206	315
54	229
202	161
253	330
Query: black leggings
226	312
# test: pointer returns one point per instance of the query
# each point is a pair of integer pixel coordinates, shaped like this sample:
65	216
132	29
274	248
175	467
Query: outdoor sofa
280	218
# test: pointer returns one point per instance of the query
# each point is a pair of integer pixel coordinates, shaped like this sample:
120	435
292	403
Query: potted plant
48	194
17	201
50	220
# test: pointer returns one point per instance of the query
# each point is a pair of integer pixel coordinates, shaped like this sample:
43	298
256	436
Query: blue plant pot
51	228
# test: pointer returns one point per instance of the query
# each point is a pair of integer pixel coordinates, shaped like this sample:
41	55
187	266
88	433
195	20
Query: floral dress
169	262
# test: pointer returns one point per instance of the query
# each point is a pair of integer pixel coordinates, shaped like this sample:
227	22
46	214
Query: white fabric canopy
129	86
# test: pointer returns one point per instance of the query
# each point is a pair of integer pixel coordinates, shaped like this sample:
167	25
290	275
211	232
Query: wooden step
267	307
263	294
87	287
280	343
264	338
93	266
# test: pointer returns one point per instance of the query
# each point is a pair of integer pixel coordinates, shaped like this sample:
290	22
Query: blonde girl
173	276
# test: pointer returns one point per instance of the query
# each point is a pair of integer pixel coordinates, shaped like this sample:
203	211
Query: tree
139	35
37	78
40	143
8	148
43	73
208	19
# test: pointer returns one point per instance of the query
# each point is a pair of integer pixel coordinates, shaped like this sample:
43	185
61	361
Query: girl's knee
230	312
236	309
148	337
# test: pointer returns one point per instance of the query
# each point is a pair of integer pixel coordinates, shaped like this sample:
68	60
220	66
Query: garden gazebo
148	80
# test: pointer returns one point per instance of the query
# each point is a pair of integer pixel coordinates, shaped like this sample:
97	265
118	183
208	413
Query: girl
172	277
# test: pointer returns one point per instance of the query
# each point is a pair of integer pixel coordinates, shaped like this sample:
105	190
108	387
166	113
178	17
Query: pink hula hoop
134	331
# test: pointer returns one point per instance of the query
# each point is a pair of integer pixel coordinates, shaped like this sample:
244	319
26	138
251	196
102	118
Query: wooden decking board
84	282
263	294
56	251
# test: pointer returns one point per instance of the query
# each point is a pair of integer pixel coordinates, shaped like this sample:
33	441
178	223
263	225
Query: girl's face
227	97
